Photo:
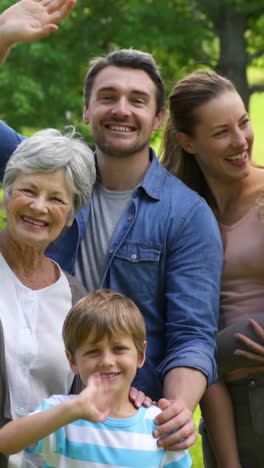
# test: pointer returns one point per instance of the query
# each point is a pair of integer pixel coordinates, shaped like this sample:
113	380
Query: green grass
196	450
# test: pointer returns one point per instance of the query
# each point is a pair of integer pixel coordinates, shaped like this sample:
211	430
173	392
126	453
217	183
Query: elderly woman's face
38	207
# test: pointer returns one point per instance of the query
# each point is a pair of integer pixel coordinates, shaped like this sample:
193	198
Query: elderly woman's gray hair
49	150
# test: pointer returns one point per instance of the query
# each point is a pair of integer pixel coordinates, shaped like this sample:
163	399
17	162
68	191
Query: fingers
182	439
176	428
59	9
170	409
251	344
249	355
139	398
257	328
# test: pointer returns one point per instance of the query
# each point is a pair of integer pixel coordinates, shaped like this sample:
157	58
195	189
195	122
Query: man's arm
29	20
194	267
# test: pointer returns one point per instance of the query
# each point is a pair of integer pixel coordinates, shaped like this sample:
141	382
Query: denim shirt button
111	251
131	217
134	256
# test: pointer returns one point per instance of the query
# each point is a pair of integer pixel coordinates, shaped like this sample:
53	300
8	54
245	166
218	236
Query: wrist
72	410
6	41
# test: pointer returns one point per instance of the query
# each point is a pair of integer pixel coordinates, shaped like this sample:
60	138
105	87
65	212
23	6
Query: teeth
237	157
109	376
35	223
120	129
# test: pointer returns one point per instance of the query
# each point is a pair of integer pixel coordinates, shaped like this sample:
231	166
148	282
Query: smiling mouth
237	157
34	222
110	375
121	128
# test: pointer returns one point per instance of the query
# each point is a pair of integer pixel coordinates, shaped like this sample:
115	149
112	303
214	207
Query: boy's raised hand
96	401
29	20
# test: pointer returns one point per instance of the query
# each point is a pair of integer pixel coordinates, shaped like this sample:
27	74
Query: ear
86	115
185	141
141	359
158	121
71	361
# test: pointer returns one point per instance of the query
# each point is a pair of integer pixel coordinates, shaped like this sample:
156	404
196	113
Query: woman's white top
32	322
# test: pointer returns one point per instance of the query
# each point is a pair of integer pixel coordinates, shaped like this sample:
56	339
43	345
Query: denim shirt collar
153	180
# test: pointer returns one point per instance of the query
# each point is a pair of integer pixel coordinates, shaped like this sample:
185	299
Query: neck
124	409
29	264
231	193
122	173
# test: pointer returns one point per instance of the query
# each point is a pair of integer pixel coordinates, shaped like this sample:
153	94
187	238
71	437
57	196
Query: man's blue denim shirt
166	254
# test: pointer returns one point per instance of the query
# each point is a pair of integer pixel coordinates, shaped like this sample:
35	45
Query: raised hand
29	20
255	350
96	401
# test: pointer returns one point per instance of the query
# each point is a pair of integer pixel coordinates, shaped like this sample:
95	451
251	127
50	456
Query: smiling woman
47	179
208	144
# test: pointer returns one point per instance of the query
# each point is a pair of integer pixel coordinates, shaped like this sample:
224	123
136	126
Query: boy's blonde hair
104	313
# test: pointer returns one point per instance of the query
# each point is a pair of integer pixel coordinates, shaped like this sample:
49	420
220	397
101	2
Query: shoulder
152	412
77	289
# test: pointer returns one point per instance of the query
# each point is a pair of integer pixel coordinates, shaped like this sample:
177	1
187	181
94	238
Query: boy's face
115	358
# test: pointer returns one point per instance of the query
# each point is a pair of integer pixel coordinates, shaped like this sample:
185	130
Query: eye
106	98
27	191
57	200
139	101
244	122
120	348
92	352
220	132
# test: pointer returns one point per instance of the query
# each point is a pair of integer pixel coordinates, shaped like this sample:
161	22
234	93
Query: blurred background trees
41	83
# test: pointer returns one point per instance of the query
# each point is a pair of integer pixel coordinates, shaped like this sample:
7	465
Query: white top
32	322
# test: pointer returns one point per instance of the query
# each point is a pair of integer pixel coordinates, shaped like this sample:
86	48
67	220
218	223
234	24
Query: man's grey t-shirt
106	208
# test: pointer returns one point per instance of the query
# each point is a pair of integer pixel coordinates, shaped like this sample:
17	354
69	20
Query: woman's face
38	207
223	139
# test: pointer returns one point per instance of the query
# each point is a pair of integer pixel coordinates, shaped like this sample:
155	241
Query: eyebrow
132	91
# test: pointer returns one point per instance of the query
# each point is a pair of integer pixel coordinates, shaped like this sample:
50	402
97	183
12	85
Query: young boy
104	337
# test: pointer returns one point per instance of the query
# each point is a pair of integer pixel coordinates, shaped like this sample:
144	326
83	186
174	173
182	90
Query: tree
41	83
238	24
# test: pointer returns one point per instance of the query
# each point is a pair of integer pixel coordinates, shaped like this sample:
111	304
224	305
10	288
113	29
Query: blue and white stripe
114	443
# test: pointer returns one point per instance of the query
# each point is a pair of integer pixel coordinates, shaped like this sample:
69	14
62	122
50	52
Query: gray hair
49	150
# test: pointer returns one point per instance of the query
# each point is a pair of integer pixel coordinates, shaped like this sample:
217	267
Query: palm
31	19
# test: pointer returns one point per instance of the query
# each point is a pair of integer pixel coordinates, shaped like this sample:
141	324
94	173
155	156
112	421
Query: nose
120	108
239	139
39	204
107	359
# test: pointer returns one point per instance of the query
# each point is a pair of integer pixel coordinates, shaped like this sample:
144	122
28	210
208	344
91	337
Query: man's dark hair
129	58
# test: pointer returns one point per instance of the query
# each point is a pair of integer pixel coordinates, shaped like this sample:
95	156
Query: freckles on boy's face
116	359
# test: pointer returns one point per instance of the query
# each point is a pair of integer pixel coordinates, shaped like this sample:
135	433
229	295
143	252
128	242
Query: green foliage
41	82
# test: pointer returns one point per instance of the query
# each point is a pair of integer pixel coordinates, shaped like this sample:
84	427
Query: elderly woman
47	179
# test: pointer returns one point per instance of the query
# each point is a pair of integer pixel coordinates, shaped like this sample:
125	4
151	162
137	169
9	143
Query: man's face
122	111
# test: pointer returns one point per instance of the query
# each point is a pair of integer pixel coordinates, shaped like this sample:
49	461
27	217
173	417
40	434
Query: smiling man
145	234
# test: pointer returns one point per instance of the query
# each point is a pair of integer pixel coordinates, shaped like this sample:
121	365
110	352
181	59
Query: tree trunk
230	27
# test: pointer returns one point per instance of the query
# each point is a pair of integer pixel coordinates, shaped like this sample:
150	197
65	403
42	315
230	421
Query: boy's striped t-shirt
114	443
